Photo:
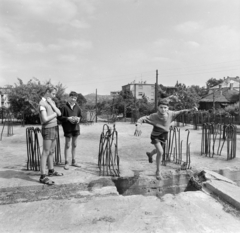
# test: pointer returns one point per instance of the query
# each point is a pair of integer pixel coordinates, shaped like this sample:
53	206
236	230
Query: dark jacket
68	112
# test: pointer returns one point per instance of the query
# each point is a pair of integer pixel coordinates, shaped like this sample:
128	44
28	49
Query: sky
105	44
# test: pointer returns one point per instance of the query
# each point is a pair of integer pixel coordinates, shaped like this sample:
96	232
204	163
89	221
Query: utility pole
96	105
238	100
156	91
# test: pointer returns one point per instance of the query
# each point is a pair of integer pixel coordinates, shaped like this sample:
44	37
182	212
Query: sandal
47	181
55	173
150	160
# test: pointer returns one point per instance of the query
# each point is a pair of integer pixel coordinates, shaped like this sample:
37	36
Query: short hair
73	93
163	102
50	88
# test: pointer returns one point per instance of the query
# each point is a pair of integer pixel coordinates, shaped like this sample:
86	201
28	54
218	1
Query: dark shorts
50	133
160	138
71	134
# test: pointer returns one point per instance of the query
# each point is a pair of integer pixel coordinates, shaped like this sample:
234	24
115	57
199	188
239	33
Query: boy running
161	121
48	117
71	115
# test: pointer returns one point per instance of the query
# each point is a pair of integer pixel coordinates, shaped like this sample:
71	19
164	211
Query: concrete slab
211	175
226	191
192	212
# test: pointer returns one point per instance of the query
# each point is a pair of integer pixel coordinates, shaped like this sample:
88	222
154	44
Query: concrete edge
223	196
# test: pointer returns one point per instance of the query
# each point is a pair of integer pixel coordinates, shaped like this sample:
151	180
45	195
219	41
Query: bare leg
45	153
67	151
158	160
74	145
51	154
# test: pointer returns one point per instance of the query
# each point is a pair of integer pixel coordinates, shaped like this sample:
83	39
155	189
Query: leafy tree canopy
81	99
24	97
213	82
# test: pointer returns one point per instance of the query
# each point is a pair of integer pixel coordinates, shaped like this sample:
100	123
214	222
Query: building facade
233	83
141	89
4	97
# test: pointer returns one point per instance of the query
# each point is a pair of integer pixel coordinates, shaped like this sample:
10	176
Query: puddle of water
140	186
232	175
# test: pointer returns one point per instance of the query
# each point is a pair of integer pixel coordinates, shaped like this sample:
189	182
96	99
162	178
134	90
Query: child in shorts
70	118
161	121
48	117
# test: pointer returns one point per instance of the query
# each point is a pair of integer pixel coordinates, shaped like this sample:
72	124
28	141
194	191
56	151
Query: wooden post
96	105
238	100
156	91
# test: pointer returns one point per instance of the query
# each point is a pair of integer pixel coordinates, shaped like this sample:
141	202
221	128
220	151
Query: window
140	86
140	93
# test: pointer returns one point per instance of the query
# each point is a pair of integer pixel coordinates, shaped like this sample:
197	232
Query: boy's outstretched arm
194	109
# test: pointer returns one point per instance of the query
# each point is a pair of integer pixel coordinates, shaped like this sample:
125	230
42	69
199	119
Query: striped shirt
45	106
160	122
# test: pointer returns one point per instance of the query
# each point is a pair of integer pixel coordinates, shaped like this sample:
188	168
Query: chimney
220	89
231	85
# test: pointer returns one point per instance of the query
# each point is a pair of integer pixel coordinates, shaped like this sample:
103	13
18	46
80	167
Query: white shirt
41	107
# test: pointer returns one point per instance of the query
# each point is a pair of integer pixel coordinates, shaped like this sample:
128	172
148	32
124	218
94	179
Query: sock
50	170
73	161
42	176
66	162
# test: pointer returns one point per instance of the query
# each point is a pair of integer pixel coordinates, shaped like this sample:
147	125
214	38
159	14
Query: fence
197	119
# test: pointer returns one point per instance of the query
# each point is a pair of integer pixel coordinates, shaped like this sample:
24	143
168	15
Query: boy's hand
138	131
50	101
71	119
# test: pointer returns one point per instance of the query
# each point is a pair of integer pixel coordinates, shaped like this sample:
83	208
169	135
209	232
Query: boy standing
71	115
48	117
161	121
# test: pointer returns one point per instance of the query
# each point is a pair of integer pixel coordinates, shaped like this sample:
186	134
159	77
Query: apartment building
4	97
140	89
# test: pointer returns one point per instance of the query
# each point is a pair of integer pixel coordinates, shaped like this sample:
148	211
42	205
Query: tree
201	91
213	82
24	98
81	100
187	97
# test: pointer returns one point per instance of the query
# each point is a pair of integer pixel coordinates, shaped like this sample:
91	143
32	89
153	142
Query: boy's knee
45	152
67	145
52	151
74	145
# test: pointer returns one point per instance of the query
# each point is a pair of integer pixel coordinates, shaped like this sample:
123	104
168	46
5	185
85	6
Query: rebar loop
34	148
108	159
216	137
173	149
8	123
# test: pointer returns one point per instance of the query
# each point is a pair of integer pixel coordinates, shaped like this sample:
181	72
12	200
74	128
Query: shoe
150	160
47	181
159	176
66	167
